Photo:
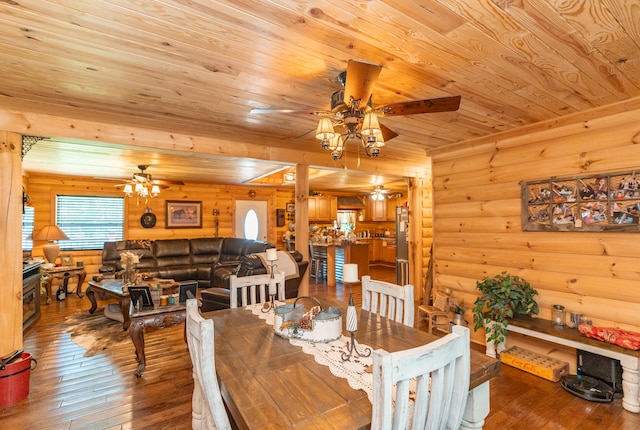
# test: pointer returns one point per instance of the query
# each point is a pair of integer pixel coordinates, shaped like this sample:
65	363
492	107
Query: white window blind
27	228
89	221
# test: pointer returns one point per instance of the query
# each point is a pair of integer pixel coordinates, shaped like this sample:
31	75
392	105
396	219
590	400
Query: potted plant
502	297
458	313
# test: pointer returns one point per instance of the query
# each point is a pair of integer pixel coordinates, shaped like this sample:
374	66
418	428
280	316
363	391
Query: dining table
269	382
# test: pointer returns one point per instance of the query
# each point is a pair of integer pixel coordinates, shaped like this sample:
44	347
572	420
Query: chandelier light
141	186
358	124
378	193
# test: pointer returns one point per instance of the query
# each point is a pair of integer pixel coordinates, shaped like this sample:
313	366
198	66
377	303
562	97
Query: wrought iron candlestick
350	275
272	257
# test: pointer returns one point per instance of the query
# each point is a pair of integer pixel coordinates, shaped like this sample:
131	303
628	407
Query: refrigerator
402	245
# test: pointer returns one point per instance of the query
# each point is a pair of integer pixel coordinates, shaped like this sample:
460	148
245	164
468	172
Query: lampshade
51	249
370	125
325	129
51	232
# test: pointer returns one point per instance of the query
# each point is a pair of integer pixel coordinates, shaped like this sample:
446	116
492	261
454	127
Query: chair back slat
389	300
254	288
441	370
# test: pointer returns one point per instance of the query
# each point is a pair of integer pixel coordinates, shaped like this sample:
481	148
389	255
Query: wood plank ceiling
198	67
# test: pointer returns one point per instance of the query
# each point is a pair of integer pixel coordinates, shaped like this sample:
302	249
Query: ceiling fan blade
166	182
361	78
260	111
442	104
387	133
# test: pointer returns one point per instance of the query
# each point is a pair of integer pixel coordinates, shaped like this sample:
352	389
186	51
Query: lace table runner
357	372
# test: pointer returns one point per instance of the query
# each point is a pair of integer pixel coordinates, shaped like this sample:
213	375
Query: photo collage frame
606	202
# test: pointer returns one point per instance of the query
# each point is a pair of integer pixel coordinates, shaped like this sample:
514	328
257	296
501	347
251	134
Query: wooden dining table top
268	383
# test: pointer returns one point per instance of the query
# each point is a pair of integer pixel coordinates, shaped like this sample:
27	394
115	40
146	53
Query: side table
64	273
167	316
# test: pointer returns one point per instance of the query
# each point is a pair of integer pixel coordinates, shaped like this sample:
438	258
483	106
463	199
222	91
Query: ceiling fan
143	185
352	109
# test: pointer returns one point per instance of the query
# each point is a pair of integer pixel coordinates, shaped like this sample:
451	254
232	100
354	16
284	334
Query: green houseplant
502	297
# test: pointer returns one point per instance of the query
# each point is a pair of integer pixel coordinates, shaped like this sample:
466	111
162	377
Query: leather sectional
210	261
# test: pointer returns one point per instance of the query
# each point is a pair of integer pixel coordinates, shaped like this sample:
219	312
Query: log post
10	242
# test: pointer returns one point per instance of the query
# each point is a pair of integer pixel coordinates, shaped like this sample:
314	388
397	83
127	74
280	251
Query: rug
95	333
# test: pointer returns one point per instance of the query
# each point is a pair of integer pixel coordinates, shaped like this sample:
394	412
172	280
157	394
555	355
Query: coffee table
112	289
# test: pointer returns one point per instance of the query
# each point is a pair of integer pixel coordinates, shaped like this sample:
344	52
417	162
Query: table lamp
51	249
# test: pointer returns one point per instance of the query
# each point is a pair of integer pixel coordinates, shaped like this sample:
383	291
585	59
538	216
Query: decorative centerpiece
129	260
314	325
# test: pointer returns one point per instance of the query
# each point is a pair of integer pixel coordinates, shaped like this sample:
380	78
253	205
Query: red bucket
14	380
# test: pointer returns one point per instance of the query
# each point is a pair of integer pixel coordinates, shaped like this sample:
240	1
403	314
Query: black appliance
599	378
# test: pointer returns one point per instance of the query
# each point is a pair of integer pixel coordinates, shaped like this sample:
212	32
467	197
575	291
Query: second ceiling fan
353	110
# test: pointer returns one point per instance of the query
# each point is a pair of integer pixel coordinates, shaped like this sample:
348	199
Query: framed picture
66	260
603	202
291	207
141	294
183	214
187	290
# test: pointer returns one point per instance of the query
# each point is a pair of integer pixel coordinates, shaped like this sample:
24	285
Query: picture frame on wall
599	202
183	214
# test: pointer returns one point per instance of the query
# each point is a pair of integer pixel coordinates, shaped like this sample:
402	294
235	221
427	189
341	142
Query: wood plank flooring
69	391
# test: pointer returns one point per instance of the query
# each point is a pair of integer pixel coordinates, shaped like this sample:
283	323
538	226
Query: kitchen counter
339	254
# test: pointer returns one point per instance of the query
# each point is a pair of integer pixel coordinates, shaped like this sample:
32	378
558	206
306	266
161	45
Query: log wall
477	216
43	189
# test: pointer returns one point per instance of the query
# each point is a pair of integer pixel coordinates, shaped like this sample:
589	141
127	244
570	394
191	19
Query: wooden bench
571	337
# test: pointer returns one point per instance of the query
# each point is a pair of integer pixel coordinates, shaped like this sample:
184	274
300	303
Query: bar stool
318	260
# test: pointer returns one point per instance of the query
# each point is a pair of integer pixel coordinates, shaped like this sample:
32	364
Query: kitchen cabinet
375	210
323	208
384	250
388	254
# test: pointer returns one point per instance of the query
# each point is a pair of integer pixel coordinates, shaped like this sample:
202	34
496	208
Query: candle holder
352	327
272	291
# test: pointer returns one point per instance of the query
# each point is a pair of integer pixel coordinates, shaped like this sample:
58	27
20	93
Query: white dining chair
207	409
441	370
388	300
254	289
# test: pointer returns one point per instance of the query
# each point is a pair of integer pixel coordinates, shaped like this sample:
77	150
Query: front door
251	219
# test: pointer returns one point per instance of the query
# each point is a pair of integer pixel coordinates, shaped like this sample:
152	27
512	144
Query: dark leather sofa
210	261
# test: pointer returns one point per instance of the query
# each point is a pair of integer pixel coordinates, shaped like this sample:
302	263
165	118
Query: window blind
89	221
27	228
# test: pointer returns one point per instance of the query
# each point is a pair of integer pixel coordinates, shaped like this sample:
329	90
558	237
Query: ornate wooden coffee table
165	316
112	289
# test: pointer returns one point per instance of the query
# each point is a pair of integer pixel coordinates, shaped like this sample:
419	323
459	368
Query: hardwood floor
69	391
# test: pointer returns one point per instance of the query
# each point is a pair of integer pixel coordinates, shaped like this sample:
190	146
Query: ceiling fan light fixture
141	185
378	194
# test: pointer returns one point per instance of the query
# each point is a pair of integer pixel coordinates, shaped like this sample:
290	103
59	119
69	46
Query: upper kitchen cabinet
323	208
380	210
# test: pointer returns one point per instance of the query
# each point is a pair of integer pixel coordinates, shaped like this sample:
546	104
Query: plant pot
458	319
494	349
